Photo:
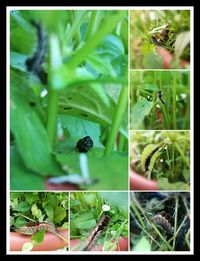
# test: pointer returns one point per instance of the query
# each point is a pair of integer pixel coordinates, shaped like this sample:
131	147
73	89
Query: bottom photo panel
39	221
159	221
99	221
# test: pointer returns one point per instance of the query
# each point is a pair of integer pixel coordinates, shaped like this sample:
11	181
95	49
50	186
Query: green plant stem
182	154
32	220
174	104
91	25
56	234
52	116
173	159
137	213
165	116
119	114
175	220
106	27
77	20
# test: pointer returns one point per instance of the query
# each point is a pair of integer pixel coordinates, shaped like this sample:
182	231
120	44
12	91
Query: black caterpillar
84	144
149	158
34	64
104	221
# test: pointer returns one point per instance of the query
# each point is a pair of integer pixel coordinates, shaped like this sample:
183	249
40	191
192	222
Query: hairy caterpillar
149	156
34	64
93	236
161	221
33	228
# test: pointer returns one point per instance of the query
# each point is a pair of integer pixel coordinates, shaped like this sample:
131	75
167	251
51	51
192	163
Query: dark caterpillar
161	221
104	221
159	94
34	64
33	228
149	158
84	144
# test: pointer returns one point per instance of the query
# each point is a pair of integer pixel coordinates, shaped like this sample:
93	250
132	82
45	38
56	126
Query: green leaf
35	211
182	40
20	221
30	134
79	128
59	214
38	237
142	245
49	212
101	169
22	207
17	61
27	247
21	178
139	111
85	221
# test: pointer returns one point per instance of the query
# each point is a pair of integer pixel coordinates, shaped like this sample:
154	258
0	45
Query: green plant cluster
146	235
86	210
170	110
171	163
85	95
29	207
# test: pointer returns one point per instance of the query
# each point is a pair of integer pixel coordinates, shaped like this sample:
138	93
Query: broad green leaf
79	128
49	212
30	134
149	87
38	237
21	178
22	207
139	111
142	245
59	214
85	221
164	184
20	221
36	211
101	169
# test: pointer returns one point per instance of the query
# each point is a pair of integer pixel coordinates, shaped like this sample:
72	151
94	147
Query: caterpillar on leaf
149	157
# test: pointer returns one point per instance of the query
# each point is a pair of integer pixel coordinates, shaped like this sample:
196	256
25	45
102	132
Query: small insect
160	94
33	228
162	221
84	144
95	233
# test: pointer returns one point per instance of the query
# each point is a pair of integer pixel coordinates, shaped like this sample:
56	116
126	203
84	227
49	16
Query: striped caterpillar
33	228
95	233
34	64
149	156
161	221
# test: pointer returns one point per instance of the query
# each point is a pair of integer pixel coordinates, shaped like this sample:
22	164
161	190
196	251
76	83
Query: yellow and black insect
84	144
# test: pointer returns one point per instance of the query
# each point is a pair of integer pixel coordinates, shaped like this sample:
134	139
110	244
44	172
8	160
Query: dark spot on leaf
32	104
69	98
84	115
67	108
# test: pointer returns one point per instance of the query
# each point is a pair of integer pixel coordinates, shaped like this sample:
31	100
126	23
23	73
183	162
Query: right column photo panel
159	130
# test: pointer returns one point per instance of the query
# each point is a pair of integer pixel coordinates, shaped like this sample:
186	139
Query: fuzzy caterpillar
93	236
161	221
34	64
149	156
33	228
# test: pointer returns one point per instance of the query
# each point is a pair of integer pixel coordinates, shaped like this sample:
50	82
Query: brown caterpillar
93	236
33	228
161	221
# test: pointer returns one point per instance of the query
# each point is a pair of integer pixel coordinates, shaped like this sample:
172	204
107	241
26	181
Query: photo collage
100	104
